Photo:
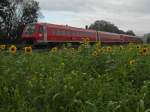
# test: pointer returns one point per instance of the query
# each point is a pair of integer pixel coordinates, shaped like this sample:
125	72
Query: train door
98	36
41	32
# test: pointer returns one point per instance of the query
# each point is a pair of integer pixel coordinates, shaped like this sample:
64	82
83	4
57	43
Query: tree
86	27
15	14
130	32
104	26
122	32
147	38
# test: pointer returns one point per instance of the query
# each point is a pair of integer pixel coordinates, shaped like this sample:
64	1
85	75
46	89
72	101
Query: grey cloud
127	14
129	6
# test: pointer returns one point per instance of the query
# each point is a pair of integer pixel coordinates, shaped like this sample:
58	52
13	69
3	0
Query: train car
50	33
109	38
130	39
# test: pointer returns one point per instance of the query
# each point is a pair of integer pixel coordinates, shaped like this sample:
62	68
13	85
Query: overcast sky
126	14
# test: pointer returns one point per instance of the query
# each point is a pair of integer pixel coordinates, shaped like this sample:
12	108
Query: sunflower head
138	47
131	62
54	49
28	50
95	54
2	46
12	49
86	42
109	49
86	39
144	51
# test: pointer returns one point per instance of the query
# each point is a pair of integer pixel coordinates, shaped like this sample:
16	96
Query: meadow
88	79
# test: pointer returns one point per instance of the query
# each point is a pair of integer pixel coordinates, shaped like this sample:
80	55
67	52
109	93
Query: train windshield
30	29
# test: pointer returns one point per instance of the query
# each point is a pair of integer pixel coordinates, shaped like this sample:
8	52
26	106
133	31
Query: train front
29	35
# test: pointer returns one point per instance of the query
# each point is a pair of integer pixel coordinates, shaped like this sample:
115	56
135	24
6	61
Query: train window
58	32
30	29
81	34
68	33
53	32
63	33
78	33
71	33
75	34
41	29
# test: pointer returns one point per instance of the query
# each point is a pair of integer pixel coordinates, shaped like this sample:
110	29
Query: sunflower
28	50
109	49
2	46
144	51
95	54
12	49
86	39
54	49
131	62
138	47
86	42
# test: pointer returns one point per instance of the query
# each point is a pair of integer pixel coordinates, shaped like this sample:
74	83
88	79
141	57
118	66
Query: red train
50	33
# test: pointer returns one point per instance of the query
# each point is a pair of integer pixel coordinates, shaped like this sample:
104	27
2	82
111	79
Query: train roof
108	33
66	27
118	34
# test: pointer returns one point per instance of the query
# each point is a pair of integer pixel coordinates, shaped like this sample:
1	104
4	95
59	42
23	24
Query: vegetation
88	79
102	25
14	15
147	38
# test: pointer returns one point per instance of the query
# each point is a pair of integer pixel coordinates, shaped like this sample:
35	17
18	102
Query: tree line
14	15
102	25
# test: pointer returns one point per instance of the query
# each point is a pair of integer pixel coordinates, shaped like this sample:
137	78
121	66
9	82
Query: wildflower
131	62
144	51
138	47
2	46
109	49
12	49
54	50
86	39
28	50
86	42
95	54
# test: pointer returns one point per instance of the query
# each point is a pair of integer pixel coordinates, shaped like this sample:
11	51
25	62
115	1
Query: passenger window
41	29
63	33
